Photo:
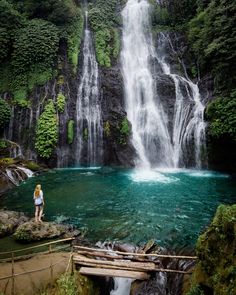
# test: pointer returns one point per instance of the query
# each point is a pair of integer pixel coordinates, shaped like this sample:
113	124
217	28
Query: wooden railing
13	258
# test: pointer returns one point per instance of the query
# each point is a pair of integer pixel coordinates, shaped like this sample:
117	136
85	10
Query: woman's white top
39	200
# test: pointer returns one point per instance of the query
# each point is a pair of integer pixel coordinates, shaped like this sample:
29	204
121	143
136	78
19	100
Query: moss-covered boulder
34	231
9	221
215	272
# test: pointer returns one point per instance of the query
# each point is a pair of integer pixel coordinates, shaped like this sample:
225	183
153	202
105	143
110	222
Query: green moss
70	131
116	43
5	113
47	131
7	161
85	134
107	129
73	34
32	165
125	130
20	97
104	21
61	102
3	144
22	236
216	267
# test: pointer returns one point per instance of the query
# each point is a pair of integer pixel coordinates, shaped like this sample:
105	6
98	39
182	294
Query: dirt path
31	284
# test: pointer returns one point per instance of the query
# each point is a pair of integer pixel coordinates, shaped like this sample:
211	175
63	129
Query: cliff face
117	148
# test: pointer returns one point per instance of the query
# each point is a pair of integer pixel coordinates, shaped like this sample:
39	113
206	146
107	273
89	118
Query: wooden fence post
13	274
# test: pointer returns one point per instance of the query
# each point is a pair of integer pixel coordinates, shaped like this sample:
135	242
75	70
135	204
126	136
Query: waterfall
158	142
144	110
188	121
122	286
89	132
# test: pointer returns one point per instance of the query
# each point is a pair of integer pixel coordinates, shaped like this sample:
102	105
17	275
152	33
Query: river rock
9	221
32	231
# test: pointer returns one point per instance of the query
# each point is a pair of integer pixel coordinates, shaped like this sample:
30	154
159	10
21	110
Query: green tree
36	43
222	116
212	34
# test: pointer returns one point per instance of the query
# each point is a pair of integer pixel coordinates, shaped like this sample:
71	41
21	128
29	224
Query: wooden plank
109	266
112	256
149	266
114	273
100	254
136	254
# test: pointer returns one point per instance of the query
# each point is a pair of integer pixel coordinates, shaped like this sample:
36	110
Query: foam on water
148	175
212	174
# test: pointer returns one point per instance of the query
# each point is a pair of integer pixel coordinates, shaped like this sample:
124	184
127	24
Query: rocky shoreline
26	230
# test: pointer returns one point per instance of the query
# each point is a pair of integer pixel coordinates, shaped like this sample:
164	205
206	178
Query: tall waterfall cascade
89	134
158	141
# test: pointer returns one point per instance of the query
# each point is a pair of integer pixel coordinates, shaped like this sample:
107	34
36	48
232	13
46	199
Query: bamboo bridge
89	262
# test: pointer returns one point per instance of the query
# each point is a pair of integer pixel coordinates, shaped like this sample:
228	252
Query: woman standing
38	202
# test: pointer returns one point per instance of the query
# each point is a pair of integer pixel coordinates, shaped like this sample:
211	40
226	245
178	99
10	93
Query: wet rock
10	220
118	149
32	231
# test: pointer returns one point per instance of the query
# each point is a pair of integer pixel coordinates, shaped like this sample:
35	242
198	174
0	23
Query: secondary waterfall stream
89	124
158	143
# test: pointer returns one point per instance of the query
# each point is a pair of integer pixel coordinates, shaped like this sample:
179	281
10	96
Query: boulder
9	221
32	231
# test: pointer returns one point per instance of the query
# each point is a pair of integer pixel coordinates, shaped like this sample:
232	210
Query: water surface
170	206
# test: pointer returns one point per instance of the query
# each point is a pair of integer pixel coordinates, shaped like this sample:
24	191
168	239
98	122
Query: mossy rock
32	166
7	161
216	267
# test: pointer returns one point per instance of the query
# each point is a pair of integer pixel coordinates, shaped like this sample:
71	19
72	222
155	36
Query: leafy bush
36	43
70	131
222	116
72	33
212	36
61	102
5	113
103	20
47	131
57	12
195	290
67	285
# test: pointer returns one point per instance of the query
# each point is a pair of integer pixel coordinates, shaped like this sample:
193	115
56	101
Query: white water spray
188	125
144	110
157	145
89	123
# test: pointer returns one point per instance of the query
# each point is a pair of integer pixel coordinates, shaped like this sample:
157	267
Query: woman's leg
36	213
40	213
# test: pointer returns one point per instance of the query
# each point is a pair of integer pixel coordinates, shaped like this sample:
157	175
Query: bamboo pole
13	275
137	254
38	246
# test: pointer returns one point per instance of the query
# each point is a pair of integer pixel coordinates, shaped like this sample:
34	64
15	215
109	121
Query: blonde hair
37	190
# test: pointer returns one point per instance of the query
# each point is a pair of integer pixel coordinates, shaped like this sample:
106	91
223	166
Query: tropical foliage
30	34
47	131
5	113
104	20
